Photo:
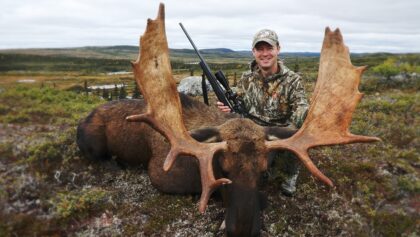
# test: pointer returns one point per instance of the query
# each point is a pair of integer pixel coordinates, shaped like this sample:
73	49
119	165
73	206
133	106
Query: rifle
225	94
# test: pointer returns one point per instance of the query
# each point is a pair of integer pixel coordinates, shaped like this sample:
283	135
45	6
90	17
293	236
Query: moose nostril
235	230
231	233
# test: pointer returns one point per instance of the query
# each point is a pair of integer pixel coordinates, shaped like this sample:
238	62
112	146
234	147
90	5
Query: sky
367	25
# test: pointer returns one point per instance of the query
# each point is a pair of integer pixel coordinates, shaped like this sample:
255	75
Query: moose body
105	133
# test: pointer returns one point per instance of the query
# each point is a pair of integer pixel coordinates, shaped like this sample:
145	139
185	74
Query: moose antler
153	73
333	102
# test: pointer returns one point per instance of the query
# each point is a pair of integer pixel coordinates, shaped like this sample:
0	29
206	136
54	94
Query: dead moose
228	149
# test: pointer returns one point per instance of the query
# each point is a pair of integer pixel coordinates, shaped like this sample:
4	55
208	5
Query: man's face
265	55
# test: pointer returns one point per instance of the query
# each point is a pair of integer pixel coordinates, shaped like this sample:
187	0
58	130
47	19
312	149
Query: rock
399	77
192	86
402	77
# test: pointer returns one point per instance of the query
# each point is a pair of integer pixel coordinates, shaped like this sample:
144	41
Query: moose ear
206	135
277	133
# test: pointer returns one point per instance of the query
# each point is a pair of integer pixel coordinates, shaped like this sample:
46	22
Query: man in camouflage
274	96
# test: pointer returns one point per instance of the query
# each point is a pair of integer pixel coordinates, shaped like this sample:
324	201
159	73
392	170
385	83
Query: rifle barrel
218	90
192	43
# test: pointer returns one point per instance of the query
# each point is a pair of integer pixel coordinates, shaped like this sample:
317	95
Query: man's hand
222	107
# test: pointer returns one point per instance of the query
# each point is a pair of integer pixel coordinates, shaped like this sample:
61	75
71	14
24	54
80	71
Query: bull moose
228	149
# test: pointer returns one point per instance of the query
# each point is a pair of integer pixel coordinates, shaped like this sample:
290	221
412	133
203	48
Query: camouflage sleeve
240	87
298	102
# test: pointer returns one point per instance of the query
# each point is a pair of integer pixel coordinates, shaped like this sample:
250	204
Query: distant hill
108	55
95	59
107	52
217	50
131	53
185	56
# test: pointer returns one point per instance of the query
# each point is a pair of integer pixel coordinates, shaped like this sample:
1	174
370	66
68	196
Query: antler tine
334	100
153	74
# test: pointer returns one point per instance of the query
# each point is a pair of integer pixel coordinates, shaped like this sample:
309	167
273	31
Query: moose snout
243	212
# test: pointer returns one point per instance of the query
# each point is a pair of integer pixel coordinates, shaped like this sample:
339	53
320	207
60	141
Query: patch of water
26	81
107	86
118	73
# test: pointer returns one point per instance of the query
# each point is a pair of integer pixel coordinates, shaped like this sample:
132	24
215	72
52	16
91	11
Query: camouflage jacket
279	99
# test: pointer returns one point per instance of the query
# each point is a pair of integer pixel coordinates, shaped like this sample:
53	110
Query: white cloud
367	26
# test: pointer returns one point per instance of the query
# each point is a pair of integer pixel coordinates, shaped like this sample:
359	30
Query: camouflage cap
266	35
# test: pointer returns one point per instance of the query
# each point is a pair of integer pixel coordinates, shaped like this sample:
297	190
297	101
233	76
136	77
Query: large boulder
192	86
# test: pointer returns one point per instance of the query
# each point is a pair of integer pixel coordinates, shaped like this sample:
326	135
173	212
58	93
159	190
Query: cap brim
270	42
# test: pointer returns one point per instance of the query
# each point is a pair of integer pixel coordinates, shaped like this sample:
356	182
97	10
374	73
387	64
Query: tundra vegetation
47	189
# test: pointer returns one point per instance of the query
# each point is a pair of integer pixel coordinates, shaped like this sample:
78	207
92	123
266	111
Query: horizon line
234	50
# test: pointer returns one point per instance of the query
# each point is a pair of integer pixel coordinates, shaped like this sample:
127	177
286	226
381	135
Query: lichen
77	204
393	224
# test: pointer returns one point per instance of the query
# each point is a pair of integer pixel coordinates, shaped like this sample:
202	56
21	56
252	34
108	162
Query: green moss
362	169
78	203
16	118
3	109
278	228
6	150
398	103
49	150
370	84
411	155
170	205
409	183
401	135
21	224
400	166
393	224
43	105
56	150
